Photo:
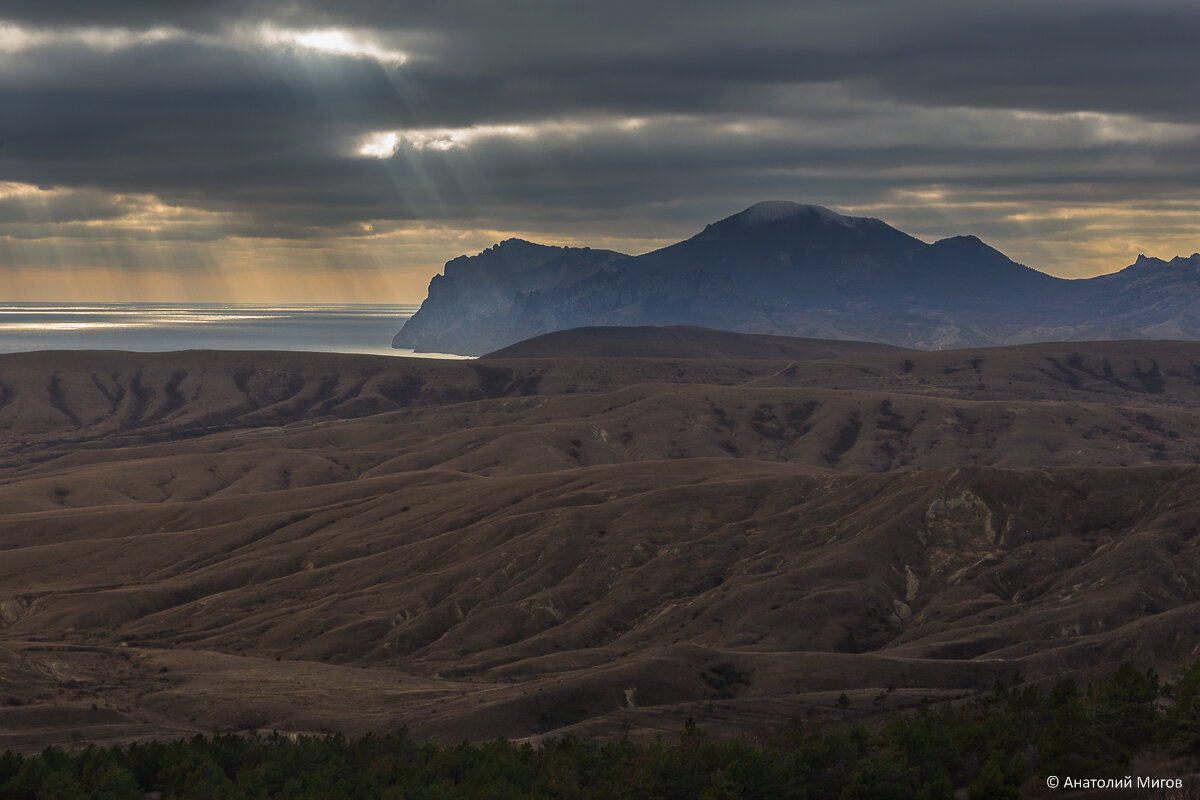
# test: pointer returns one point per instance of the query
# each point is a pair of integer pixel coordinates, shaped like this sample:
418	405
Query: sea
161	327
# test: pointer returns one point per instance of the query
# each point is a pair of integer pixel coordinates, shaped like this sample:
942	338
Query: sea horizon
151	327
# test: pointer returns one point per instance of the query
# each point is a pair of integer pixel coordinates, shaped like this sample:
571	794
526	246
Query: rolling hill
734	528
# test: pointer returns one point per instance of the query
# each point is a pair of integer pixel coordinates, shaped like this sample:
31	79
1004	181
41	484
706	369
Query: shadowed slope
587	576
682	342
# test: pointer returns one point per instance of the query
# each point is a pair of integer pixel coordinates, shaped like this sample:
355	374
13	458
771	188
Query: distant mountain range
799	270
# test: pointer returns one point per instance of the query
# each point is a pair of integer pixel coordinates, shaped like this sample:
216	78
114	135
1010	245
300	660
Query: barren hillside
517	546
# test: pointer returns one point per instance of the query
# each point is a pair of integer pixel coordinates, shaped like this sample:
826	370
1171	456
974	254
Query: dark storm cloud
1080	45
203	14
679	110
1070	54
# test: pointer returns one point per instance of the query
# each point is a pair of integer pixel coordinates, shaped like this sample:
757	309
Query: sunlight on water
159	327
68	326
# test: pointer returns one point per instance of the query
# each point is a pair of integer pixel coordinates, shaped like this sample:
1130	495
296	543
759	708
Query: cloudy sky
264	151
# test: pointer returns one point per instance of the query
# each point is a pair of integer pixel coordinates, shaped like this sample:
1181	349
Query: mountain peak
1150	263
967	243
771	211
519	244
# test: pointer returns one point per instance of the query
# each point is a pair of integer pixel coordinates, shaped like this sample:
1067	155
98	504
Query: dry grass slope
517	546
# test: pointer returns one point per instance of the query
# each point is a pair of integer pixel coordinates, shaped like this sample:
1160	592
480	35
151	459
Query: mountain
469	306
1156	297
799	270
810	256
